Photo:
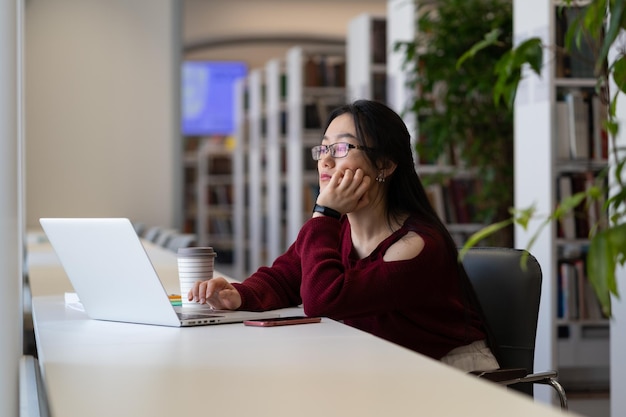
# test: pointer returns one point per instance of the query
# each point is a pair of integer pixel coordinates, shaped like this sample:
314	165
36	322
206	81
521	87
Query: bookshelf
276	170
240	176
315	84
249	173
450	185
208	192
255	161
366	50
558	135
280	112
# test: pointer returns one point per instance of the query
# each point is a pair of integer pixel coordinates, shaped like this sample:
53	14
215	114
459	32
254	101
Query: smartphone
282	321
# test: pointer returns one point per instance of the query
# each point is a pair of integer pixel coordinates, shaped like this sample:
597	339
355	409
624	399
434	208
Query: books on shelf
567	223
324	71
576	297
579	222
379	86
600	138
580	130
221	196
452	200
578	124
437	200
379	41
317	109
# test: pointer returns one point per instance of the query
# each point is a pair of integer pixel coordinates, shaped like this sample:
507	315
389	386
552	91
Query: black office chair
152	233
509	295
181	240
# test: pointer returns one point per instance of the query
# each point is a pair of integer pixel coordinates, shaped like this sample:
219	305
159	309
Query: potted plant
454	107
601	23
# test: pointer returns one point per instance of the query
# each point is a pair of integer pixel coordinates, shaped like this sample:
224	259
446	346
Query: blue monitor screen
208	96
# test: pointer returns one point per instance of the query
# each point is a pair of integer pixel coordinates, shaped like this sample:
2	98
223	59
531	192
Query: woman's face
342	130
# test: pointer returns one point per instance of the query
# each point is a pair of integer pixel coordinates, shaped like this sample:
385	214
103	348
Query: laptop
115	279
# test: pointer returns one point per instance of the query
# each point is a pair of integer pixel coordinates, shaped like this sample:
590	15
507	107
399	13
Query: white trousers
473	357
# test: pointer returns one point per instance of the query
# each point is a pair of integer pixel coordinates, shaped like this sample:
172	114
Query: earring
380	178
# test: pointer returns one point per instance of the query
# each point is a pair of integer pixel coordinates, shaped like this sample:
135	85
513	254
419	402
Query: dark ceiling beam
248	40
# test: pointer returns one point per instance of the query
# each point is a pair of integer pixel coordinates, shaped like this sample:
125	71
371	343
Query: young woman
374	253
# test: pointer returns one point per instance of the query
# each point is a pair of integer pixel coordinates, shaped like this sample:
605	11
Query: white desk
98	368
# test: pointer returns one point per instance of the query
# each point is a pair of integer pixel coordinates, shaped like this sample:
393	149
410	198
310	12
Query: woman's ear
387	166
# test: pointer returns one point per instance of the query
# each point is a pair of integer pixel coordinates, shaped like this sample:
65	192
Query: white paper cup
194	264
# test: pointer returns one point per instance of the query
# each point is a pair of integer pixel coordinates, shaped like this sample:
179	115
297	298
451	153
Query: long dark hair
382	129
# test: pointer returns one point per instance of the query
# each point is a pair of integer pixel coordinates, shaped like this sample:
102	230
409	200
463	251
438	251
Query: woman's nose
326	158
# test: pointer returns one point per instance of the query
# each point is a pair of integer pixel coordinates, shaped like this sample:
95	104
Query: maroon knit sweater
416	303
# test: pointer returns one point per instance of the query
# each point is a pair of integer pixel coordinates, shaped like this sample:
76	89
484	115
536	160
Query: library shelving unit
366	52
240	177
281	108
248	172
448	184
208	192
315	85
276	170
400	28
559	148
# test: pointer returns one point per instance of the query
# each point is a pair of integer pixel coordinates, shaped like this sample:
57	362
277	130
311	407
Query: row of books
579	222
576	298
220	195
218	225
322	71
379	87
192	143
581	134
379	41
221	225
452	200
315	114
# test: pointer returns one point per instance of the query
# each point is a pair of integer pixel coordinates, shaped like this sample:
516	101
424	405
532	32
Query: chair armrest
540	377
519	376
501	375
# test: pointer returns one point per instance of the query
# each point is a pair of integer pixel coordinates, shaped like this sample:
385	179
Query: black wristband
326	211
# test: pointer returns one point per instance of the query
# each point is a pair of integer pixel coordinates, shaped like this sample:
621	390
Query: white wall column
102	86
618	322
618	347
10	203
401	16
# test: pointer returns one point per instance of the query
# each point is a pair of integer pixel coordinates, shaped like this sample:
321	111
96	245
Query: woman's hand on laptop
216	292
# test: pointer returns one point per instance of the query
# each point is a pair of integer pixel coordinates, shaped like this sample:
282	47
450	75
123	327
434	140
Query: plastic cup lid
196	251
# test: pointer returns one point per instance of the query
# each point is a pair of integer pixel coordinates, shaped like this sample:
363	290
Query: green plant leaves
483	234
619	73
460	127
600	24
509	69
491	38
607	250
615	24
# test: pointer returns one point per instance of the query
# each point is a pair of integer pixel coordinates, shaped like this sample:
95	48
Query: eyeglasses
337	150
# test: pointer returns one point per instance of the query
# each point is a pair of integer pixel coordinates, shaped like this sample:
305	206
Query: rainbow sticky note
175	299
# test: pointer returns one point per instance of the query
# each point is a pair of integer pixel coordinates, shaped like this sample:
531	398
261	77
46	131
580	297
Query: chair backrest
509	293
165	236
183	240
152	233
